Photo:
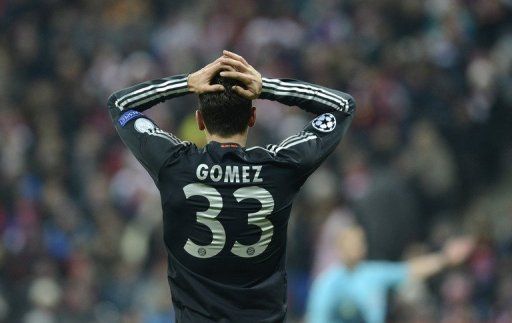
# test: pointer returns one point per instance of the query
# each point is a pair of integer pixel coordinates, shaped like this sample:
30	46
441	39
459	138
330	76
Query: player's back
226	210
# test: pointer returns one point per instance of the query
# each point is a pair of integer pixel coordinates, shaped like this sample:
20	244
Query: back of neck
240	139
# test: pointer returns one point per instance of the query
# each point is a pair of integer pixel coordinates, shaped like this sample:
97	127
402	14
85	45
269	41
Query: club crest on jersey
143	125
324	123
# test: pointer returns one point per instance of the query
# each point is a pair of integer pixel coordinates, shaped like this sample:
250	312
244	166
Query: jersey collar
225	145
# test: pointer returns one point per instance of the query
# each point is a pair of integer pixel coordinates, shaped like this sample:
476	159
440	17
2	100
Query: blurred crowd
427	157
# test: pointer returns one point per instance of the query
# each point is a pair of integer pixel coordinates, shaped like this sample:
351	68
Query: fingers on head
215	88
214	63
235	56
234	63
237	76
242	92
226	67
219	67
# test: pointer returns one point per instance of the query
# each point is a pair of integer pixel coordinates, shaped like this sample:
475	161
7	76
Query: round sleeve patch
324	123
144	125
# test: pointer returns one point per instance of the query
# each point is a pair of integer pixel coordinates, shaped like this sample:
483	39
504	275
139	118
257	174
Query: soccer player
226	206
356	290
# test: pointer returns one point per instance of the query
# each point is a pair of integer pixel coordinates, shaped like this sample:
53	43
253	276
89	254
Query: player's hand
199	82
457	250
244	73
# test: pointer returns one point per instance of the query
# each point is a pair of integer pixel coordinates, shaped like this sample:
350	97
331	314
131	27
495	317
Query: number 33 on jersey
209	219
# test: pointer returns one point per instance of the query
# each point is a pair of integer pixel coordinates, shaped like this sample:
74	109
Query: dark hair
225	113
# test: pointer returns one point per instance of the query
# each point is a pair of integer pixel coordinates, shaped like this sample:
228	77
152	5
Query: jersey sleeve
321	300
152	146
333	112
391	274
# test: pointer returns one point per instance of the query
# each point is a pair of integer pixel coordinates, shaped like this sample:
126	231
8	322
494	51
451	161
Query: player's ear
200	120
252	118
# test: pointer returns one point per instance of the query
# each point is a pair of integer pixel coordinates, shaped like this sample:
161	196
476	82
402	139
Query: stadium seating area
427	157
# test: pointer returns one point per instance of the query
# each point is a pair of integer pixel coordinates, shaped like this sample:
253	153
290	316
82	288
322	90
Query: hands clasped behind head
232	66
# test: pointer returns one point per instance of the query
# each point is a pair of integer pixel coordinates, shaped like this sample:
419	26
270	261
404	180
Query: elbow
112	107
349	105
111	102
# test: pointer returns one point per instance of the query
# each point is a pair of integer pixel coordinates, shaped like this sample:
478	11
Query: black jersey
226	207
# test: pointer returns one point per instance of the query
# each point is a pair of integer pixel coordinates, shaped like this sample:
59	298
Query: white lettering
218	169
256	178
245	174
232	175
202	172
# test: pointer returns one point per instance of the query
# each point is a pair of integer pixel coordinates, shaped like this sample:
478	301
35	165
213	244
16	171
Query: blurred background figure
356	290
429	152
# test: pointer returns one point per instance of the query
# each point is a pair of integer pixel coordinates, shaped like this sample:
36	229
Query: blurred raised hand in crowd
356	289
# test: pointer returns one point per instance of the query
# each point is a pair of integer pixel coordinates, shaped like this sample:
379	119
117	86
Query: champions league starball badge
325	122
143	125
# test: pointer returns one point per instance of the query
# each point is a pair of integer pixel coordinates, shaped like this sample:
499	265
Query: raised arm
145	95
334	111
455	251
309	97
152	146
